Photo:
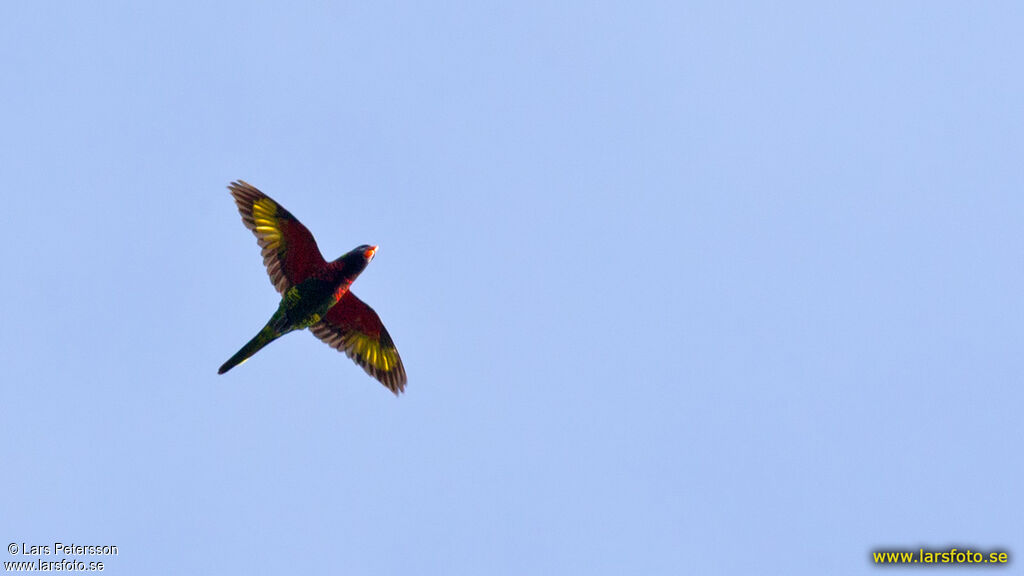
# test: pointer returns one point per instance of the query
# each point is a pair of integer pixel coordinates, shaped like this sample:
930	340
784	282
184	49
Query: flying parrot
314	293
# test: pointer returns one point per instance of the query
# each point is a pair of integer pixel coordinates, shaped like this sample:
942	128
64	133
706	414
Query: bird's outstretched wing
289	251
354	328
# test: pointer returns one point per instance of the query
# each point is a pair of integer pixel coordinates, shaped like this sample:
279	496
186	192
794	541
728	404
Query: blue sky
679	287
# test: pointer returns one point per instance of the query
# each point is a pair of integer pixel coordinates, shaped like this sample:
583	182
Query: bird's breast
340	291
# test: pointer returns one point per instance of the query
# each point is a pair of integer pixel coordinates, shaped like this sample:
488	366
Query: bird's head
357	259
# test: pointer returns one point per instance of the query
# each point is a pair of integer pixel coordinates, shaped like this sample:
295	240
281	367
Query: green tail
266	336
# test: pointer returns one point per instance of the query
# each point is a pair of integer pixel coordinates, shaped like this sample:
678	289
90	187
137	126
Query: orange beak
370	252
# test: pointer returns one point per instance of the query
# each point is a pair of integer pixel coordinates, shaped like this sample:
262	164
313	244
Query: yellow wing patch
370	351
267	228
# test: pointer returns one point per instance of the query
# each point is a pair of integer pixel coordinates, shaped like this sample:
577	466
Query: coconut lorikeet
314	293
